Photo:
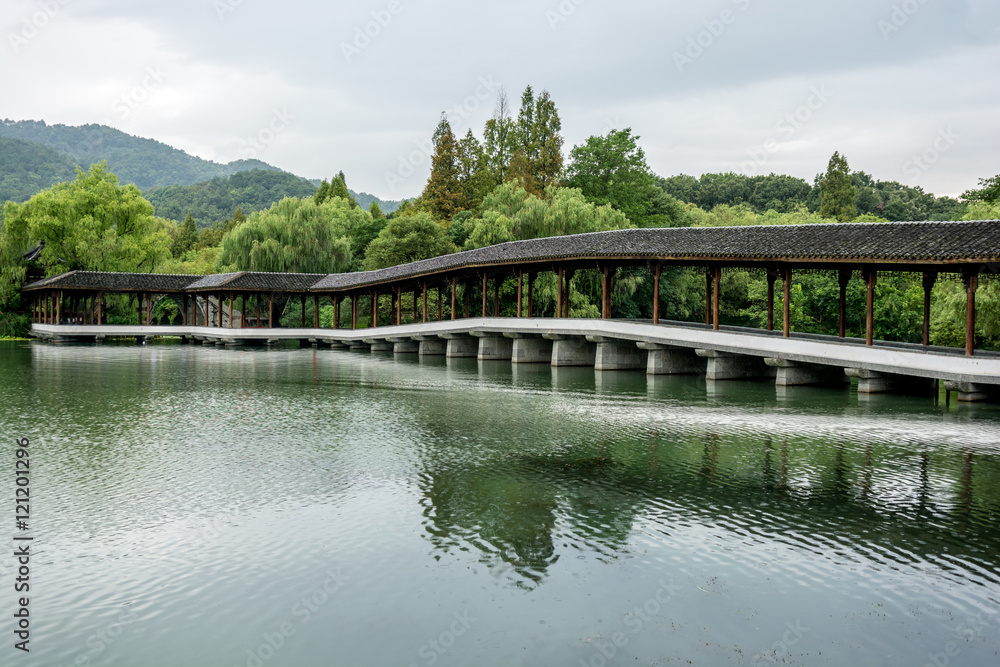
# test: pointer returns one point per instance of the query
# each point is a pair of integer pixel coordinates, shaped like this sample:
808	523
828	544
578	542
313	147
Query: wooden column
786	279
231	297
440	305
454	298
605	292
971	279
399	305
559	292
354	310
467	292
870	277
496	297
302	298
374	323
100	300
416	307
531	293
708	295
425	301
218	303
316	308
771	277
716	296
569	280
142	296
657	270
520	290
930	277
485	292
844	278
337	300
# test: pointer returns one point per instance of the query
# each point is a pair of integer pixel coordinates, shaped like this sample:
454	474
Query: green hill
216	199
26	168
145	162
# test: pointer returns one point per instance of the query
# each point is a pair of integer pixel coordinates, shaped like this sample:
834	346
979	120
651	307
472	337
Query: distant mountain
26	168
216	199
145	162
365	201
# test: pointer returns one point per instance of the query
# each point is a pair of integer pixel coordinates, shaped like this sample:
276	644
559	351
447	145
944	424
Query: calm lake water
198	506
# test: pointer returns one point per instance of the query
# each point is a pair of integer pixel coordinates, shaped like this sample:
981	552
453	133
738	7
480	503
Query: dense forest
513	181
27	168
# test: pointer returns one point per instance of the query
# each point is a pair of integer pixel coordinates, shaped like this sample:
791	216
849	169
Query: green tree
443	194
186	237
838	196
612	170
323	193
547	160
293	236
500	139
376	211
91	223
472	171
988	191
407	239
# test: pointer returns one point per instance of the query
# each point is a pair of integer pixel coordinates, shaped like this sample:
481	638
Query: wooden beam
971	279
844	278
786	305
657	270
520	290
485	292
771	277
716	296
871	278
454	298
930	277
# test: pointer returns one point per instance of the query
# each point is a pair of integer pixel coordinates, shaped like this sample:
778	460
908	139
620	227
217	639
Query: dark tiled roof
900	242
116	282
257	282
888	243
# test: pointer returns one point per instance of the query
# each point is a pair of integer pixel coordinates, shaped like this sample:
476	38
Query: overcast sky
907	90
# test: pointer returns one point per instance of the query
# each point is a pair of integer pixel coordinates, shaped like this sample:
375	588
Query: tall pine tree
837	195
500	140
443	196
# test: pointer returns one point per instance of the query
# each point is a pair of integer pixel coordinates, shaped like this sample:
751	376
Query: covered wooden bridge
862	251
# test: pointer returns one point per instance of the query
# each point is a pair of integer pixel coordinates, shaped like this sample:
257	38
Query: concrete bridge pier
431	346
405	346
617	355
494	347
380	345
358	345
572	350
666	360
970	392
793	373
529	349
335	344
874	382
461	347
726	366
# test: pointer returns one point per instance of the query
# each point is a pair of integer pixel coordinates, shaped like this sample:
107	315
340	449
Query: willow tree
91	223
294	236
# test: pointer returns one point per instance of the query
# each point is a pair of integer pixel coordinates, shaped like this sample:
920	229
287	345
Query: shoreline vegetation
512	182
